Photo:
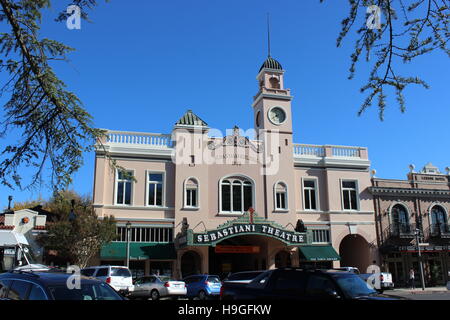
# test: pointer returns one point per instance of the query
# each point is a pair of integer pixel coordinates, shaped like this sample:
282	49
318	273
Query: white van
118	277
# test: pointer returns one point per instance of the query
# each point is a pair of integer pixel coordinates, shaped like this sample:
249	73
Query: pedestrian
412	278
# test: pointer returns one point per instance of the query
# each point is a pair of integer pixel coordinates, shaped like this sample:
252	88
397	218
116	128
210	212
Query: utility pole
420	259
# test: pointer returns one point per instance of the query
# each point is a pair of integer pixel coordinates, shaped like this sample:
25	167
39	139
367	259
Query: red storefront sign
237	249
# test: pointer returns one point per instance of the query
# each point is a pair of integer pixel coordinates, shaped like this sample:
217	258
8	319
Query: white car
154	287
118	277
349	269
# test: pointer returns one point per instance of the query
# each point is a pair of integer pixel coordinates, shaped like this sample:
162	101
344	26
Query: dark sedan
22	285
298	284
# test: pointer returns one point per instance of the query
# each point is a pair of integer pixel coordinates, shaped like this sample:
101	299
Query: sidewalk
420	291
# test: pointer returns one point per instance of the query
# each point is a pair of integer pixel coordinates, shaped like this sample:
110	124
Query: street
420	295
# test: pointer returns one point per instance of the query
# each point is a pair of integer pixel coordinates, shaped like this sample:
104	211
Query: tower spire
268	35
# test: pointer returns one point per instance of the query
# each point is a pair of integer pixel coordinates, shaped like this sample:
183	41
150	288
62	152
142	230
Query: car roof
47	278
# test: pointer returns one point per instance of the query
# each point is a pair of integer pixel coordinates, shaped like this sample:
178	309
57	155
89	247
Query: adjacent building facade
414	208
196	201
18	233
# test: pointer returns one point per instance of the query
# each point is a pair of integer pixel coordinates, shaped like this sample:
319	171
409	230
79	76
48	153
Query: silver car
155	287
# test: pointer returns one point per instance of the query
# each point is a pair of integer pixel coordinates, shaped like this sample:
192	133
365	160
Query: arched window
438	217
400	218
280	196
236	195
191	193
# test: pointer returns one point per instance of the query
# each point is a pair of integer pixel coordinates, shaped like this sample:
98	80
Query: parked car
448	282
25	285
203	286
349	269
118	277
385	279
299	284
155	287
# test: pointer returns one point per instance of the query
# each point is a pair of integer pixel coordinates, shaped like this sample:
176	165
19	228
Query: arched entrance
282	259
354	252
190	263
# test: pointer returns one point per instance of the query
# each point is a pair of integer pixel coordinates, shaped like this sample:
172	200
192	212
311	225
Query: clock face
277	115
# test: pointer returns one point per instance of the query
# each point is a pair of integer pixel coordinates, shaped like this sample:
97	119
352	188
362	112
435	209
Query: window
280	196
120	272
290	281
236	195
88	291
102	272
88	272
321	236
123	187
349	195
400	216
438	216
18	290
155	189
319	285
146	234
191	193
4	284
309	194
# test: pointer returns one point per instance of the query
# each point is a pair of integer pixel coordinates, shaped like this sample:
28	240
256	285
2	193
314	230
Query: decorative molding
236	140
380	191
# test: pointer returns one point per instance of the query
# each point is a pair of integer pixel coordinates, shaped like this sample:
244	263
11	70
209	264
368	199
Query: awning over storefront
139	250
318	253
12	239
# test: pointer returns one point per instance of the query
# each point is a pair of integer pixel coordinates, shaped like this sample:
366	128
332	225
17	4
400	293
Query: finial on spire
268	34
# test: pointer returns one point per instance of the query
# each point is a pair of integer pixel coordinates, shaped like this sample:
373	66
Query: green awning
318	253
139	250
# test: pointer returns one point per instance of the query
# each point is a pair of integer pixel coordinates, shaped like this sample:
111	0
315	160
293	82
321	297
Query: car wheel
202	295
154	295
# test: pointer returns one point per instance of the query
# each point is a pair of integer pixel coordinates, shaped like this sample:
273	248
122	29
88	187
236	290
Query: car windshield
88	291
353	285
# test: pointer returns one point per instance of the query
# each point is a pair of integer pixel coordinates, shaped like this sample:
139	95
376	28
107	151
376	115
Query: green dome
271	63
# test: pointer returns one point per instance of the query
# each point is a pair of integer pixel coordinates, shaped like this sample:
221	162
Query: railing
309	150
301	150
349	152
439	230
154	140
401	230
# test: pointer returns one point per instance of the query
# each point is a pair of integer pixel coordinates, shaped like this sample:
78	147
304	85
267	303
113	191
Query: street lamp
420	258
128	227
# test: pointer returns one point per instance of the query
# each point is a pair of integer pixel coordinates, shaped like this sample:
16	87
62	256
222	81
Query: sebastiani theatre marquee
245	243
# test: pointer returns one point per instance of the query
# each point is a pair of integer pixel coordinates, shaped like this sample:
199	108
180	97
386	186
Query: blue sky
141	64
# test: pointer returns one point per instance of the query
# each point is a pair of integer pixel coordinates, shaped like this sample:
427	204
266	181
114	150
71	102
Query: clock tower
273	124
272	103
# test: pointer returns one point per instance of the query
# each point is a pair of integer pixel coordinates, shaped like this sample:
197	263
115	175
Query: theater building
197	200
420	204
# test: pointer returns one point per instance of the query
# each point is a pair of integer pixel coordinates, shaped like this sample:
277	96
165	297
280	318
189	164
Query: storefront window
161	268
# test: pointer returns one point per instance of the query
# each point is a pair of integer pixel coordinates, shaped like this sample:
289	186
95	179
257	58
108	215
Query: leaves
407	33
50	121
79	240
